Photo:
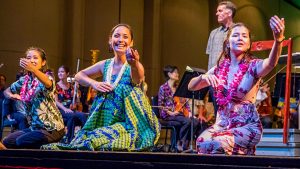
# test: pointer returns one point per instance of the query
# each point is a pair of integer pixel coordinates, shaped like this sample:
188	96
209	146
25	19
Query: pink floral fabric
237	129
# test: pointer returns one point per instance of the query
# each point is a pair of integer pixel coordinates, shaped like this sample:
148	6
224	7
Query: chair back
154	102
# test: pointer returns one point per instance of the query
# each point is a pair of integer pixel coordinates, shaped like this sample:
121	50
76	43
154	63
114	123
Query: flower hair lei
223	97
27	94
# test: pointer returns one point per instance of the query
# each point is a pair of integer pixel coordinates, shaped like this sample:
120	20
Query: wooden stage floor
39	159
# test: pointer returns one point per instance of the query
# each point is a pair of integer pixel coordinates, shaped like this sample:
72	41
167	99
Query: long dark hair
226	50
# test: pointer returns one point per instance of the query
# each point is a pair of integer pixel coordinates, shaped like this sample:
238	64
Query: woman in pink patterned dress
235	79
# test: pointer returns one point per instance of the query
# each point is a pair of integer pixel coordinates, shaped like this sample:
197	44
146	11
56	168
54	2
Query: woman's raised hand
278	26
26	64
132	56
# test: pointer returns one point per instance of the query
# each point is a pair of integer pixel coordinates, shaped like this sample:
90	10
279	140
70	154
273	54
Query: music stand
182	91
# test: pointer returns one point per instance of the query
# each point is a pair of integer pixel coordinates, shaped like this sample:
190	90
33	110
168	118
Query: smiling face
239	40
121	39
35	58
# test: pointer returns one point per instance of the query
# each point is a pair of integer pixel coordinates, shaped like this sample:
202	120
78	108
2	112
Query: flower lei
27	94
109	74
223	97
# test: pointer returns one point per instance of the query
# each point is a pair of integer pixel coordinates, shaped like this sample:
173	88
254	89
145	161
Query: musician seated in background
70	108
264	105
176	110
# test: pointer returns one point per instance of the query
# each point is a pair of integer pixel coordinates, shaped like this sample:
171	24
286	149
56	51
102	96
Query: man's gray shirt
215	45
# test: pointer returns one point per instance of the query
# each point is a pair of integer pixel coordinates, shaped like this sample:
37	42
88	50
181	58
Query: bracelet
280	41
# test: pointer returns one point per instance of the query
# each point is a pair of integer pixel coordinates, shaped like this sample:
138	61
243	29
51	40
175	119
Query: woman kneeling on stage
36	91
121	116
235	79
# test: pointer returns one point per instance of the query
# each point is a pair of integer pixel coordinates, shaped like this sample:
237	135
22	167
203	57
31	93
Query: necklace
225	96
109	74
27	94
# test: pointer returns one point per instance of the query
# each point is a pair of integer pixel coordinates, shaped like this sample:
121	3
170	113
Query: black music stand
182	91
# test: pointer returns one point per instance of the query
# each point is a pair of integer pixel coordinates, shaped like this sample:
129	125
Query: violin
180	105
76	105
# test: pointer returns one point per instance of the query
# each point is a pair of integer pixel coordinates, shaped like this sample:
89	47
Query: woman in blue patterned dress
36	90
237	129
121	116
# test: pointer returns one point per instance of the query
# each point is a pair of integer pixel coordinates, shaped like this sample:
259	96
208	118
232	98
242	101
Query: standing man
225	13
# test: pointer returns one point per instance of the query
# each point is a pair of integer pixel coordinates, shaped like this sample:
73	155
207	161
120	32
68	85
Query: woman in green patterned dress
121	116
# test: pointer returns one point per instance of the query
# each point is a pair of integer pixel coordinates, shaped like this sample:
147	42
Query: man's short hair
229	5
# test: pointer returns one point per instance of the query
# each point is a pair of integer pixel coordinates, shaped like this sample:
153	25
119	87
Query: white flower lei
109	73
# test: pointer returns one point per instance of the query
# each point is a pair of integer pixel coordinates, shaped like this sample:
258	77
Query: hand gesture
211	80
173	113
132	56
26	64
278	26
15	97
102	87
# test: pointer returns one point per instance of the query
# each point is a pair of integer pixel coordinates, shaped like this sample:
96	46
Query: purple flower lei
25	93
222	97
